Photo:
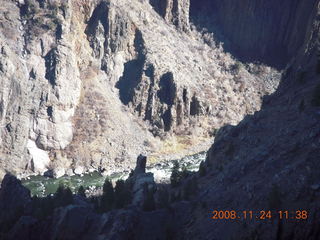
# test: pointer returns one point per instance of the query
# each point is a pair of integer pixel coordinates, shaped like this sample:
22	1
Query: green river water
43	186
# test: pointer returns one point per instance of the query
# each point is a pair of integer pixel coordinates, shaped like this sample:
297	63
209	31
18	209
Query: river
43	186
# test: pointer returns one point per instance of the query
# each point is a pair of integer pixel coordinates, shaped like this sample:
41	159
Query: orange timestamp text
259	215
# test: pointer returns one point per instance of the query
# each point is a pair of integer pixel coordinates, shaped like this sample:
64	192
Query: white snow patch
40	157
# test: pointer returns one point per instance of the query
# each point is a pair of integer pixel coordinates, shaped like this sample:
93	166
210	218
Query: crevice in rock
185	96
51	64
59	32
94	31
32	74
167	120
130	80
100	14
50	111
175	12
167	92
179	113
194	106
138	109
9	127
150	74
132	72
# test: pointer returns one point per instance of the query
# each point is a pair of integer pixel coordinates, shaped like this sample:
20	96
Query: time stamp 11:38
259	215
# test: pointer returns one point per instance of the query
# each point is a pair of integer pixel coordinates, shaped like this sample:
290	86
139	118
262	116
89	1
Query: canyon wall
266	31
91	84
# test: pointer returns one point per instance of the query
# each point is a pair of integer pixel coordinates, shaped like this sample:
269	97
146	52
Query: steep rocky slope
248	30
269	161
91	84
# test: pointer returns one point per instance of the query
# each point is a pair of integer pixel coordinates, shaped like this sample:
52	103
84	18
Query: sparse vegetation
42	17
236	67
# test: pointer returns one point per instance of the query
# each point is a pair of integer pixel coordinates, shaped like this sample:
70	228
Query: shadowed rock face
174	11
13	199
91	84
269	161
258	30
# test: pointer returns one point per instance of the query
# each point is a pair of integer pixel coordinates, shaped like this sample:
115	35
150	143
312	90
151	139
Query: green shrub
32	9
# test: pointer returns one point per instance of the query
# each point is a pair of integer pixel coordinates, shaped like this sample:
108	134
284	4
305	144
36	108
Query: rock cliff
91	84
131	81
265	31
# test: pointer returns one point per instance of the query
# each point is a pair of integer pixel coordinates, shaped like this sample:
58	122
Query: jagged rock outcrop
174	11
88	85
141	182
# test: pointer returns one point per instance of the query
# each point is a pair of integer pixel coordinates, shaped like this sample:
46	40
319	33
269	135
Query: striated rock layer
91	84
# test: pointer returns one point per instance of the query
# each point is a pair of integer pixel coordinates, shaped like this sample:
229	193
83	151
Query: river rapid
43	186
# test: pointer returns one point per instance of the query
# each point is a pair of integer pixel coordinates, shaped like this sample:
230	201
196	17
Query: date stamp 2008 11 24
259	215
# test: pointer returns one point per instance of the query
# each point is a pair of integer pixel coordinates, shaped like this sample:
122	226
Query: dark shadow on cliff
256	31
132	73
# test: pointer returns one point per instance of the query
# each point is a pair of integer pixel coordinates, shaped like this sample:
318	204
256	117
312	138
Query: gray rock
91	85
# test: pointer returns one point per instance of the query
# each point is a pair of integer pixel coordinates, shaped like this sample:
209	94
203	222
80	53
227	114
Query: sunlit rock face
92	84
